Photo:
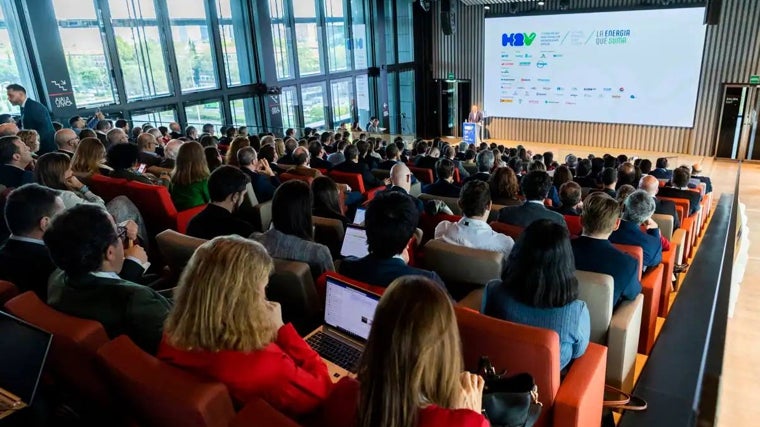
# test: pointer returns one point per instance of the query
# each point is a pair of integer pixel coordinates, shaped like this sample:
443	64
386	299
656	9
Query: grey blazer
292	248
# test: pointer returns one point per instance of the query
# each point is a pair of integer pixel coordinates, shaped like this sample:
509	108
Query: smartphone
141	168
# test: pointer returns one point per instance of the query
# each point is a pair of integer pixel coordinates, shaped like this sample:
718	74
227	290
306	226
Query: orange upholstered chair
651	288
7	291
577	401
574	225
155	205
457	176
184	217
425	175
510	230
107	188
75	342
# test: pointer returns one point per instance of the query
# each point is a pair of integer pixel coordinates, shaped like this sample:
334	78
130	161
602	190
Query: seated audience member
449	152
535	187
53	170
24	259
661	171
87	248
393	154
236	145
286	157
31	138
680	190
213	157
570	197
401	182
226	188
444	186
651	185
352	165
594	252
208	128
472	230
90	159
411	371
327	199
189	182
584	176
609	182
302	161
645	166
14	159
147	144
696	173
67	141
269	154
114	137
122	158
223	328
207	140
338	156
365	154
291	236
562	174
638	209
539	288
623	192
170	154
505	189
263	179
317	153
391	221
192	133
626	173
553	195
484	160
429	160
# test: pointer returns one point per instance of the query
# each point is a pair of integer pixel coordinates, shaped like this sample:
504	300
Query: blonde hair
279	147
30	138
600	213
235	146
190	165
89	156
219	303
413	355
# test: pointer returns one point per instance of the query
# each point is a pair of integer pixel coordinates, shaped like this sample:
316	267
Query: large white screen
639	67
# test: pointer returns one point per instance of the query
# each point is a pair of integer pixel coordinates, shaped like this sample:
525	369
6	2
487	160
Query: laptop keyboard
336	351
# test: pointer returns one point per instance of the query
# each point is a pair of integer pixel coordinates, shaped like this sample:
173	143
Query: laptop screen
349	309
23	349
359	217
355	242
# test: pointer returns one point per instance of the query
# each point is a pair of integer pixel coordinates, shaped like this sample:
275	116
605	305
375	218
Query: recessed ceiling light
540	3
487	7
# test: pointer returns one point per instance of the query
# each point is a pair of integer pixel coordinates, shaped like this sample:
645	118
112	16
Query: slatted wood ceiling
732	54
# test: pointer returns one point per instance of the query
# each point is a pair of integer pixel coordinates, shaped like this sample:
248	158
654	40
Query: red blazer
340	410
287	373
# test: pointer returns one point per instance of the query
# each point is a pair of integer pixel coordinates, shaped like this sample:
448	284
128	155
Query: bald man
401	181
170	153
67	141
651	185
8	129
147	145
301	157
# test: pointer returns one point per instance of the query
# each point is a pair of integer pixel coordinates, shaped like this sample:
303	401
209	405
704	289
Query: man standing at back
33	116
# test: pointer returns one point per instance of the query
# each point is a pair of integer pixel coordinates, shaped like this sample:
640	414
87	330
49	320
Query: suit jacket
305	171
287	159
667	207
387	165
586	181
610	192
263	186
442	188
417	202
122	307
599	256
481	176
13	177
36	116
382	271
629	233
318	163
27	265
523	215
692	196
150	159
661	173
370	181
68	153
567	210
427	162
216	221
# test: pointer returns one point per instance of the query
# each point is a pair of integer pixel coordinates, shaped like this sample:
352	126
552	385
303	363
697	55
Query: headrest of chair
177	248
597	291
448	261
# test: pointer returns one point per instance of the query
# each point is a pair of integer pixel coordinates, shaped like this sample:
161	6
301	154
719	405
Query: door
731	120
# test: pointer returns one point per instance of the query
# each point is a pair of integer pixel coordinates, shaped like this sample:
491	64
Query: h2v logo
518	39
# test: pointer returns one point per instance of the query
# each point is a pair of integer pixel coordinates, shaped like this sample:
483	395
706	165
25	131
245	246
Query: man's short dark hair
681	177
121	123
390	220
8	148
103	125
79	237
290	146
474	198
26	206
122	156
536	185
208	128
15	87
626	175
444	168
290	132
224	181
391	151
662	163
609	176
570	193
351	152
74	120
246	156
315	149
645	166
189	130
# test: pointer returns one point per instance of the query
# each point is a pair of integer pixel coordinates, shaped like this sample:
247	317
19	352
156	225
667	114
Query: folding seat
292	285
425	175
7	291
155	205
451	202
184	217
510	230
260	216
329	232
107	188
285	176
462	269
574	225
356	182
618	330
576	401
381	173
176	249
670	258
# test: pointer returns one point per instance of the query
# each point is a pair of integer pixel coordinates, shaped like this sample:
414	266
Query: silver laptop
23	351
354	242
349	312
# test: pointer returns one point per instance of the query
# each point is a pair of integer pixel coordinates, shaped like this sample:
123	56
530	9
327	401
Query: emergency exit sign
754	80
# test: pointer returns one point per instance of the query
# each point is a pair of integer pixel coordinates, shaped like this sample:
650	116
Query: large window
154	117
307	37
281	38
206	112
244	112
337	35
405	31
236	43
359	41
313	96
86	59
193	47
139	48
288	107
342	101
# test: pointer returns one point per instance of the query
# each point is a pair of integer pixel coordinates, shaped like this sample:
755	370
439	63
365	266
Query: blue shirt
572	322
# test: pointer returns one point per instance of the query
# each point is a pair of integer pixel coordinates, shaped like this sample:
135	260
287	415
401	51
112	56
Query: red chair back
635	251
184	217
158	394
353	180
322	284
75	343
155	205
457	176
574	225
107	188
429	222
7	291
510	230
425	175
290	176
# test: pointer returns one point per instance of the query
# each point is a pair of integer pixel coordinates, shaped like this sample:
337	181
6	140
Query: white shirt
27	240
473	233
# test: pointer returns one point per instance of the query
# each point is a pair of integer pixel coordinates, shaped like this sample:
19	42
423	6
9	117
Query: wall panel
732	54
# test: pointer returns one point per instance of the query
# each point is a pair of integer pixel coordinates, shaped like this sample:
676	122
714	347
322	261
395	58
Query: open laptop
354	242
349	312
359	216
23	351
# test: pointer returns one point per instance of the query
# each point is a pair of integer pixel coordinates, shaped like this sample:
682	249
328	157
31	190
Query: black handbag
509	401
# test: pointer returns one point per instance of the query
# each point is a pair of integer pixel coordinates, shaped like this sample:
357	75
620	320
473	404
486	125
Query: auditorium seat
71	359
7	291
457	176
424	175
155	205
451	202
107	188
184	217
449	262
619	330
428	223
574	225
688	223
669	258
381	173
356	182
261	216
292	286
176	249
510	230
329	232
576	401
285	177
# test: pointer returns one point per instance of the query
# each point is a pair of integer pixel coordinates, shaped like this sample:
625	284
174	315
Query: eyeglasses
121	232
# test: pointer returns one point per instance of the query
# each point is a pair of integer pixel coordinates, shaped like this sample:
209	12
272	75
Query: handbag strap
629	402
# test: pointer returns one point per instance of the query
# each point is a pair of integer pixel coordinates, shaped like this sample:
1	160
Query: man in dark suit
263	179
638	211
570	197
444	186
33	116
429	161
316	151
535	187
651	185
24	259
14	158
290	147
484	160
391	220
67	141
352	165
609	182
147	144
680	190
226	189
88	250
661	171
594	252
